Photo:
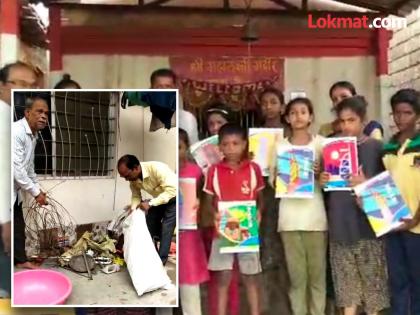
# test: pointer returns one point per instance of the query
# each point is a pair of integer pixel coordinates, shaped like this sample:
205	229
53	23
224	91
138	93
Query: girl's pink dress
192	256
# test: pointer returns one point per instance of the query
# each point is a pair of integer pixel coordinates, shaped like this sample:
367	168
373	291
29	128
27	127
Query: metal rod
96	139
87	265
68	132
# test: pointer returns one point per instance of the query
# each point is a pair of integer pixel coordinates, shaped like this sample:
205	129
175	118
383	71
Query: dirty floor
114	289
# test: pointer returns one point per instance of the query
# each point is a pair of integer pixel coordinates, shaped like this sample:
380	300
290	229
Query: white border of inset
12	304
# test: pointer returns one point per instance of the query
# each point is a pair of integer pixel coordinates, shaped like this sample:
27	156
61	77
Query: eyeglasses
23	84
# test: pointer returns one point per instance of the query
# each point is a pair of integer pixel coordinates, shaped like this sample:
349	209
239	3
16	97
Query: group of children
329	231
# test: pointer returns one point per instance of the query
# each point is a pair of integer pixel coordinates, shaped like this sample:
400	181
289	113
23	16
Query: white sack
143	262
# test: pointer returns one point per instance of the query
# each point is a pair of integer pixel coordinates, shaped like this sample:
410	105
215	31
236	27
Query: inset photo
94	192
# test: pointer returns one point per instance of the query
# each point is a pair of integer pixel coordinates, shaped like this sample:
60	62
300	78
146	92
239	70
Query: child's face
299	116
163	83
182	150
215	122
405	117
339	94
232	147
270	106
351	124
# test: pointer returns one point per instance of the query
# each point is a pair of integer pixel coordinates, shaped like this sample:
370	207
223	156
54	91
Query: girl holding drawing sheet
192	257
302	221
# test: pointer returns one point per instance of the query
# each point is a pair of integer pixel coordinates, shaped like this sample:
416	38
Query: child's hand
317	168
357	179
324	177
359	202
259	216
408	224
217	221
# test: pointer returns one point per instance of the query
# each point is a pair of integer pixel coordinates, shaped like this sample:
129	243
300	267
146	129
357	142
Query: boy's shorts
249	263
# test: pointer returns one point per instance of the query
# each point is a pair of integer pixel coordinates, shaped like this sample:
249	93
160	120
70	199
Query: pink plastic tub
40	287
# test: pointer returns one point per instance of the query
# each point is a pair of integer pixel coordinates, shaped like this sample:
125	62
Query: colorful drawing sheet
206	152
382	202
340	161
295	174
187	204
262	145
238	227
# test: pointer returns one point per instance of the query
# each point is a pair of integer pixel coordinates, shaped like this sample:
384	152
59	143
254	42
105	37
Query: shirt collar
394	138
27	128
244	163
144	171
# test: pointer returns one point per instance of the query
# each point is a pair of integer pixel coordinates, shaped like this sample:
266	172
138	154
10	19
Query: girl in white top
303	222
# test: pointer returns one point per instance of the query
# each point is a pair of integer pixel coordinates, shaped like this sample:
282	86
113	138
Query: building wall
312	75
126	72
404	54
316	75
92	200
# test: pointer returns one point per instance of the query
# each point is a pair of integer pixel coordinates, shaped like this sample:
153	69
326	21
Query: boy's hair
300	100
409	96
357	104
164	72
345	85
5	71
273	90
66	81
221	109
232	129
129	160
183	136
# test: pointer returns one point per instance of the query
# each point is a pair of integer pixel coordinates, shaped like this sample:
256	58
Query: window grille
79	140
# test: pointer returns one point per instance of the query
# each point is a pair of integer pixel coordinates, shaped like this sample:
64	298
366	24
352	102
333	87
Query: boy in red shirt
236	178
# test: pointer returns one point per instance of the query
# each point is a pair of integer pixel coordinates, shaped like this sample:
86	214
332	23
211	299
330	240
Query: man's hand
6	236
42	199
408	224
144	205
357	179
324	177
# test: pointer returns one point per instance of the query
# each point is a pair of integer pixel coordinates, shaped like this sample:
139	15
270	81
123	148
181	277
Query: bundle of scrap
104	249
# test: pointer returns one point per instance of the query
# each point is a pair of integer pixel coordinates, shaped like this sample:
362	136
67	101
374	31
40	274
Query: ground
114	289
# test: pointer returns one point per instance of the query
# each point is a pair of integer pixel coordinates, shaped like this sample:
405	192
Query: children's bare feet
27	265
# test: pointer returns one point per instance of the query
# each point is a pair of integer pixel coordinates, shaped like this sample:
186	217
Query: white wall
112	72
92	200
316	75
160	145
313	75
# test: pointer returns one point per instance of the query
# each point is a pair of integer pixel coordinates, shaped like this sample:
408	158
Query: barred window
79	140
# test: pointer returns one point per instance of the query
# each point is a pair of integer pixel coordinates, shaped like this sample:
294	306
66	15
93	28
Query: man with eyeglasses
159	181
16	75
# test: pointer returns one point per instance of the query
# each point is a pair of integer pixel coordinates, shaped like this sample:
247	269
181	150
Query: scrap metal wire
46	225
